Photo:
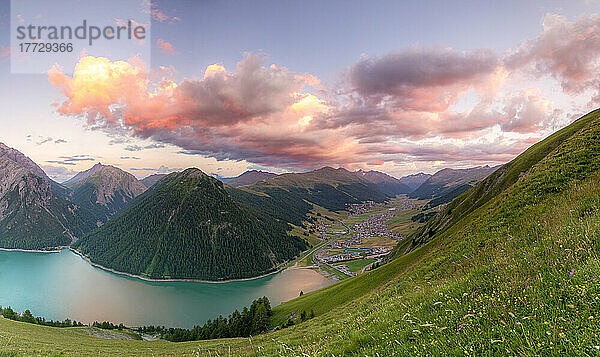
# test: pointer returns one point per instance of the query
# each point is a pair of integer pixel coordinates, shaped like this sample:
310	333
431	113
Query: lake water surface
63	285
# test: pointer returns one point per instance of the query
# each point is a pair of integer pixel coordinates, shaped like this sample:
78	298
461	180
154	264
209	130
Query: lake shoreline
170	280
59	249
53	250
59	286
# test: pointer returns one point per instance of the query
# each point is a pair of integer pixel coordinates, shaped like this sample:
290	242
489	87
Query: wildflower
572	272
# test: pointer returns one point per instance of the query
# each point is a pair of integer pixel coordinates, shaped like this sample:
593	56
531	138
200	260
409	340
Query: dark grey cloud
71	160
130	158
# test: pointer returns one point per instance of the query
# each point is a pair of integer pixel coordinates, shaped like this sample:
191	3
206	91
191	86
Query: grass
356	265
518	274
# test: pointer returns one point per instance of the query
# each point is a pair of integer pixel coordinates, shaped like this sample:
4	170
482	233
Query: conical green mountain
187	226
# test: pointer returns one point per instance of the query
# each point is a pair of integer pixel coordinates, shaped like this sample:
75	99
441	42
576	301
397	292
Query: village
356	246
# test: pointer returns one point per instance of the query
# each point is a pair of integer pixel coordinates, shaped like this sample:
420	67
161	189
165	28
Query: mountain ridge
248	178
104	190
386	183
188	227
32	215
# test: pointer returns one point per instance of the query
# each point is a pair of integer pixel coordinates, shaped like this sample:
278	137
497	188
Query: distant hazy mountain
152	179
187	226
104	190
248	178
386	183
289	196
450	183
32	215
414	181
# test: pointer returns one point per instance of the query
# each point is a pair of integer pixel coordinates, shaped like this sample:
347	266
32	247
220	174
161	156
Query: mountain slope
187	226
498	181
22	160
104	190
387	184
414	181
152	179
289	196
447	180
249	177
32	215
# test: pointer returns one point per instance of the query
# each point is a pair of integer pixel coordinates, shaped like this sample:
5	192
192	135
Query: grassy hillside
497	182
517	275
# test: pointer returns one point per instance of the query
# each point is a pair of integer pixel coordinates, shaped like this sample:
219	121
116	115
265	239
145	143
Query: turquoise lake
62	285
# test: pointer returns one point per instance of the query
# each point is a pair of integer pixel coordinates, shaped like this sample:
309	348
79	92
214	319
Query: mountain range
291	196
187	225
247	178
447	184
152	179
414	181
387	184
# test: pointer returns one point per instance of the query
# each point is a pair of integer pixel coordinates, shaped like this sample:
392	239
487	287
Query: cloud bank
418	103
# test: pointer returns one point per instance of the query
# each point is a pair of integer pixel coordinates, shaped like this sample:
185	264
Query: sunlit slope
518	276
494	184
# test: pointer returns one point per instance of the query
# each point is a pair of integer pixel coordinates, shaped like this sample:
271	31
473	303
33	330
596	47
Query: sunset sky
395	86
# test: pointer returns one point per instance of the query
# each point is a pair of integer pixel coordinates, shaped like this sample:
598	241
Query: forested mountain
32	215
248	178
451	182
387	184
414	181
289	196
104	190
152	179
187	226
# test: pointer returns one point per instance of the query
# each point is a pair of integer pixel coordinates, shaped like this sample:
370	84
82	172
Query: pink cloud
401	107
166	47
423	79
159	15
566	51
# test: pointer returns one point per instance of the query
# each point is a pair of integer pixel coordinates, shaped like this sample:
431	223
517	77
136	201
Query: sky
289	86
